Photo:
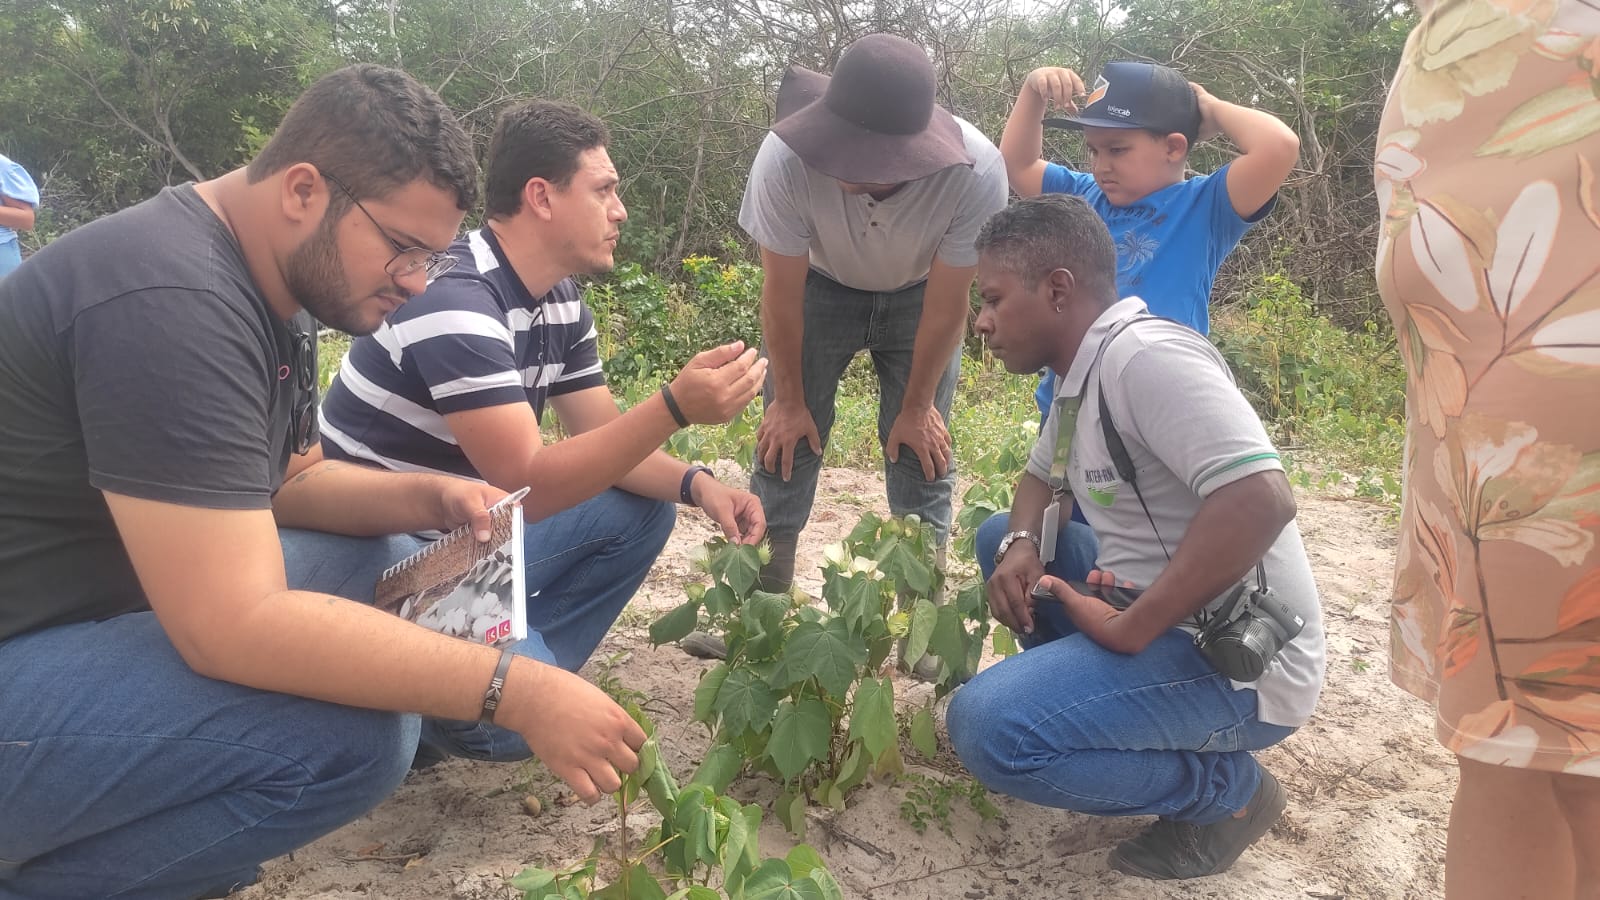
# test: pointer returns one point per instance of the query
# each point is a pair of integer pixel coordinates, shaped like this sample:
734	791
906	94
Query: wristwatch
1011	536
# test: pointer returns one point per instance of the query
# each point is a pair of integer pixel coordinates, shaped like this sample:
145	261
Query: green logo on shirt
1103	496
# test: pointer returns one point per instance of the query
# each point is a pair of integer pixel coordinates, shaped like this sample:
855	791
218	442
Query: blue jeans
125	774
1076	549
10	256
582	565
1073	725
839	323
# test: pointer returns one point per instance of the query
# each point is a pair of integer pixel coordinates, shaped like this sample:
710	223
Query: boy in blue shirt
1171	233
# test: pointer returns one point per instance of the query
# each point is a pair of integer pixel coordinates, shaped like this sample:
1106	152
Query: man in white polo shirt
865	198
1118	709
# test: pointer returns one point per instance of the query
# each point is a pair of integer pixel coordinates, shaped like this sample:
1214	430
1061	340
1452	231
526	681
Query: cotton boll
481	626
455	621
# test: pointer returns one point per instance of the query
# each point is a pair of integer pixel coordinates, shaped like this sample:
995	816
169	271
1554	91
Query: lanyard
1066	418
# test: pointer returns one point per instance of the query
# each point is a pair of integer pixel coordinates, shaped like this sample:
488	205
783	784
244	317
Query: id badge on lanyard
1066	417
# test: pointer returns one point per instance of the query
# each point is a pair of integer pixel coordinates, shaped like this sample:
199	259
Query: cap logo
1100	88
1118	111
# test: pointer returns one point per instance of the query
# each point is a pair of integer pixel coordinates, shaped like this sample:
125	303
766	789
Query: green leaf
705	694
828	652
762	616
695	825
768	880
649	756
800	734
740	852
674	625
803	859
791	810
859	601
827	887
866	530
719	768
743	569
720	601
533	883
642	884
1005	643
891	764
662	790
922	734
949	640
872	715
694	892
853	770
911	569
745	702
924	615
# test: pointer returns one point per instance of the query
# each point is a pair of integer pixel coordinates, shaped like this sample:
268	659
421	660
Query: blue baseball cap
1138	95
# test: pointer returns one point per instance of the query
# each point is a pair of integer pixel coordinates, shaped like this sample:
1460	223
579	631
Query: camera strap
1122	462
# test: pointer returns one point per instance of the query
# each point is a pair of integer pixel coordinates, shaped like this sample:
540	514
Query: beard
315	276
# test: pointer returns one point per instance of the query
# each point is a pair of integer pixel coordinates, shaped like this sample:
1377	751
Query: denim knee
355	758
974	726
656	522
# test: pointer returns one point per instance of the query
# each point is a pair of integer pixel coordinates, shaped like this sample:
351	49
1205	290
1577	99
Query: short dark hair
536	139
1032	238
376	129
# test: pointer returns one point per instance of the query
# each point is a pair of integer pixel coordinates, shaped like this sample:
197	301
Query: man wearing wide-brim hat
866	199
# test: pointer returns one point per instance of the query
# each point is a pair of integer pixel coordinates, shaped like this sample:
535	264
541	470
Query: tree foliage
109	100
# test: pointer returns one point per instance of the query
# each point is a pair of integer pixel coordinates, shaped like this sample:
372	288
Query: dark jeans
839	323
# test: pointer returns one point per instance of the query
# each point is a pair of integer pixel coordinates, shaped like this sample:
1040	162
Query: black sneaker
1171	850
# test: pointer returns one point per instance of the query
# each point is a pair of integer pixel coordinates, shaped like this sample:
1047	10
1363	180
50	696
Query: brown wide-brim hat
875	120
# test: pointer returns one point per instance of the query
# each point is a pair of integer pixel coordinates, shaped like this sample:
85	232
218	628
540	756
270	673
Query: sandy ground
1369	786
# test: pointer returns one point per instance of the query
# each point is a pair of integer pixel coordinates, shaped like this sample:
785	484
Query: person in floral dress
1489	263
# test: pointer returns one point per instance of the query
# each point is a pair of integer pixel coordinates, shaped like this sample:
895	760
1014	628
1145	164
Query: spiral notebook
462	587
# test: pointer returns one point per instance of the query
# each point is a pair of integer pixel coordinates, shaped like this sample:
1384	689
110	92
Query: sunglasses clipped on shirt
406	260
303	414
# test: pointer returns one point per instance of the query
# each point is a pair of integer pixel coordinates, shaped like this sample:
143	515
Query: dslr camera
1242	637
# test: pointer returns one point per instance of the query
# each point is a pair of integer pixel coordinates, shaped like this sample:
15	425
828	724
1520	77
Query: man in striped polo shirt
457	381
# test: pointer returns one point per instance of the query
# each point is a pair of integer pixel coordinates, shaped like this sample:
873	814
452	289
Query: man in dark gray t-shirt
177	704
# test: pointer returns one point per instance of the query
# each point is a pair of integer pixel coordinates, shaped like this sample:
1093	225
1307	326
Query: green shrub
1316	385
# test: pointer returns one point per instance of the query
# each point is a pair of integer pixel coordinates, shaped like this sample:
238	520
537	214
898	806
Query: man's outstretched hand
718	383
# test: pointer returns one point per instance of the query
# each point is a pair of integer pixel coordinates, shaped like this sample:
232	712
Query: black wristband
491	694
684	497
672	406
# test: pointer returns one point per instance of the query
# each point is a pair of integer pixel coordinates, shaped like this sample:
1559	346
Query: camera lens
1243	651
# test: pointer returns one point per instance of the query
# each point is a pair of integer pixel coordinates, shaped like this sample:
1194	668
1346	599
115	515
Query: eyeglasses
406	259
303	415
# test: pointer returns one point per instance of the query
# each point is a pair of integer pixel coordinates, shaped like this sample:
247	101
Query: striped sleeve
580	366
458	343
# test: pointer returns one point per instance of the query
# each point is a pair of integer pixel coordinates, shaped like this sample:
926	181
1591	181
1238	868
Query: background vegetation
106	101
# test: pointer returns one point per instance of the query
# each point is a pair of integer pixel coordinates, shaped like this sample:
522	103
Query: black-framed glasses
303	414
406	259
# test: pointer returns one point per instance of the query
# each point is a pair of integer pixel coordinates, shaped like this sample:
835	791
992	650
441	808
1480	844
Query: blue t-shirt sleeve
1226	224
16	183
1059	179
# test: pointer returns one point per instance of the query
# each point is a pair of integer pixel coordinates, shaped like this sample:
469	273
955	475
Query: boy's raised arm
1022	142
1268	150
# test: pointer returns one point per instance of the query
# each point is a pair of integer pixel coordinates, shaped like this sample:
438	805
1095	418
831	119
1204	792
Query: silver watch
1011	536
